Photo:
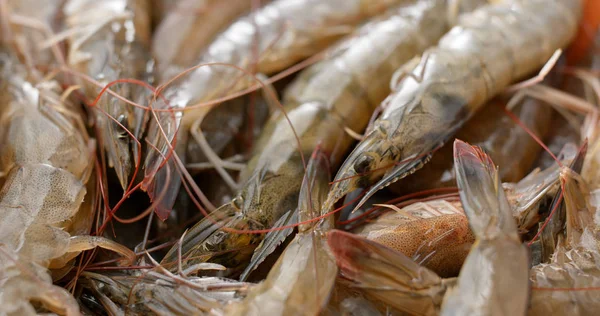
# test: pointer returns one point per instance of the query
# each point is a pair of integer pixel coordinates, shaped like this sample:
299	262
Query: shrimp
390	276
176	43
301	280
559	287
493	279
287	289
477	59
274	174
281	33
47	161
154	293
109	40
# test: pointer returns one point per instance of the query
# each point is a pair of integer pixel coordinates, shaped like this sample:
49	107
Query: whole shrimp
285	291
436	94
46	160
274	174
302	278
278	35
109	40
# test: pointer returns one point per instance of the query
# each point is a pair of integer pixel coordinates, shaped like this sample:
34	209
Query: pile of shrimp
299	157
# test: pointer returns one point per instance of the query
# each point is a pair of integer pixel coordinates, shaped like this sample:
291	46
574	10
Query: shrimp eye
362	164
237	202
122	119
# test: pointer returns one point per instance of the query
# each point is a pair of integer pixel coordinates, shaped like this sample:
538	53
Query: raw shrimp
436	94
160	294
493	279
47	160
109	40
177	42
274	174
280	34
569	284
301	280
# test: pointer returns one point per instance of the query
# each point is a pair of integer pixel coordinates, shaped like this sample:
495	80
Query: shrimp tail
494	277
481	192
216	238
387	275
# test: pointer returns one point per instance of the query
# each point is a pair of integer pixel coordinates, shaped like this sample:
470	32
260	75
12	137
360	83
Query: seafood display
299	157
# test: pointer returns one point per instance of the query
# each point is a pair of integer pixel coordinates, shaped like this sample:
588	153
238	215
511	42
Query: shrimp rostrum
488	49
46	161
